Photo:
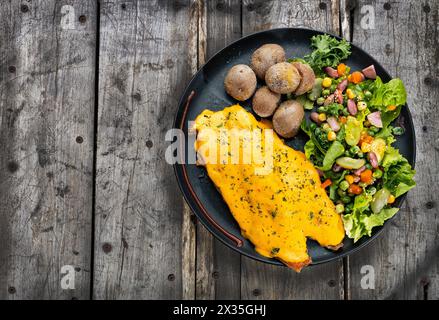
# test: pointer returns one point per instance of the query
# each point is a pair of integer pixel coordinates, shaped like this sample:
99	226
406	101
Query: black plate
208	87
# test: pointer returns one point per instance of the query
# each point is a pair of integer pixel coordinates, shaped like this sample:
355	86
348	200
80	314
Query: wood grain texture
218	267
262	281
143	69
405	257
189	228
47	78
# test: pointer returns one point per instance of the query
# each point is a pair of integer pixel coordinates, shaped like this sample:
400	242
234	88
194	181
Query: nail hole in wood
171	277
12	166
77	269
79	139
137	96
426	8
322	6
123	6
82	19
428	81
12	290
149	144
215	275
332	283
387	6
429	205
424	128
12	69
24	8
256	292
250	7
220	6
106	247
75	252
74	298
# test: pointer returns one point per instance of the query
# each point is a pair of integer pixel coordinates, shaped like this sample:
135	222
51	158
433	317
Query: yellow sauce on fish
278	209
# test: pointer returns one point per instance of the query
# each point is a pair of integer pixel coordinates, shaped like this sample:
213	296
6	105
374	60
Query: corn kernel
391	199
361	105
327	82
322	117
391	107
349	179
350	93
365	147
331	136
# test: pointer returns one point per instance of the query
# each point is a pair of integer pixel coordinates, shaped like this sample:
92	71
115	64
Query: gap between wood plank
95	138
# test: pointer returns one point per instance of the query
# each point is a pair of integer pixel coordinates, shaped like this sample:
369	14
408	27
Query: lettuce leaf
310	149
328	52
359	224
398	174
386	94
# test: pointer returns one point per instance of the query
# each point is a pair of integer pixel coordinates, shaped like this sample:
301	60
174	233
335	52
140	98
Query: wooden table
88	91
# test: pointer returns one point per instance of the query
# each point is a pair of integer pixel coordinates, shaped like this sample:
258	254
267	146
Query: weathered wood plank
143	69
218	267
189	228
405	258
261	281
47	80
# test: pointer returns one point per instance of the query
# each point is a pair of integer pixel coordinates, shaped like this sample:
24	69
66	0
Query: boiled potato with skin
265	102
308	78
287	118
240	82
266	56
282	78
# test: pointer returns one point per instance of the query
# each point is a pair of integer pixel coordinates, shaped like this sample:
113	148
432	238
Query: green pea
320	101
321	109
372	190
340	192
346	199
326	92
344	185
347	210
368	95
377	174
345	112
354	150
363	185
368	166
370	132
333	87
339	208
360	154
398	131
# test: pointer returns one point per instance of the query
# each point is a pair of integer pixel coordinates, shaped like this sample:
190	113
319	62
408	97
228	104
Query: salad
351	136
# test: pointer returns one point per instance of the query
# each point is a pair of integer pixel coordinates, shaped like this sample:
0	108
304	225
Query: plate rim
212	229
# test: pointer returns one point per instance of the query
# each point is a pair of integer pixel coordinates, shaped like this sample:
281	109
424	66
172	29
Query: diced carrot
341	69
342	119
355	189
356	77
366	176
365	138
326	183
391	107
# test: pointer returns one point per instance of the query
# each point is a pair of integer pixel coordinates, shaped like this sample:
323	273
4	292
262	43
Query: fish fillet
278	209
